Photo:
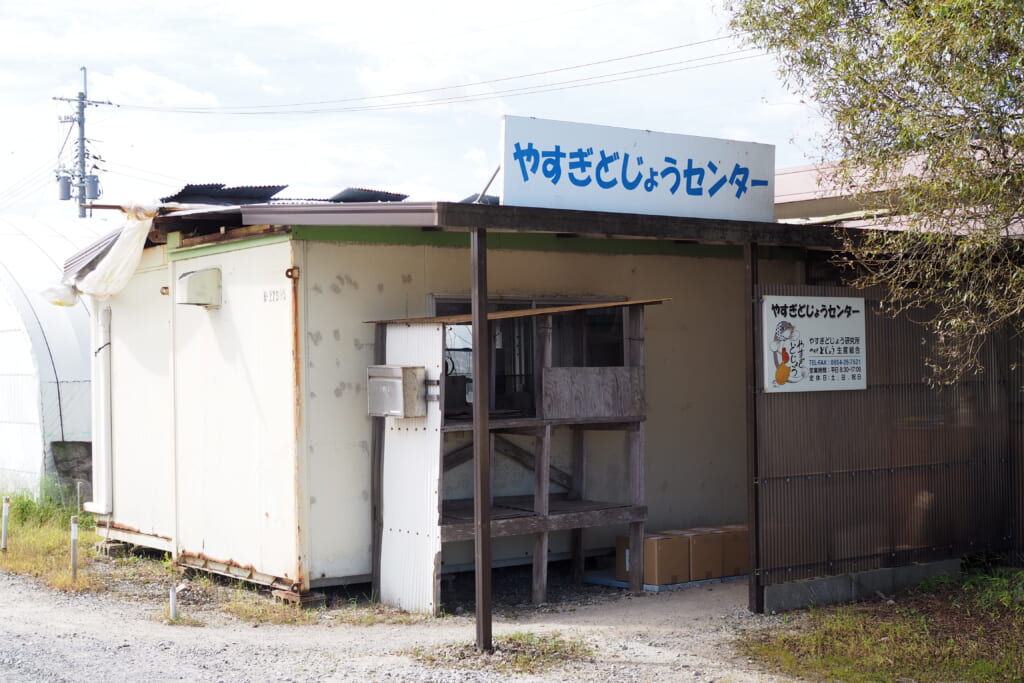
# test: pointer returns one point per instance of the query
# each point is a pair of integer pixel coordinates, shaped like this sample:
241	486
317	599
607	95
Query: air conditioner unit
199	288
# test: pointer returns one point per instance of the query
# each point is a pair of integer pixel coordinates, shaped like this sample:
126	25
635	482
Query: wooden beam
527	460
464	453
481	439
577	492
541	507
542	463
634	357
457	456
604	224
522	526
529	424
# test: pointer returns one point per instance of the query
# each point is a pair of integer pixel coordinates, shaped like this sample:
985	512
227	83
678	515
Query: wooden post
579	475
541	490
481	438
579	462
750	307
635	438
542	472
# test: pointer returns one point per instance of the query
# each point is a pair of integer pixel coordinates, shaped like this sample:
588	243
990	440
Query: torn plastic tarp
109	274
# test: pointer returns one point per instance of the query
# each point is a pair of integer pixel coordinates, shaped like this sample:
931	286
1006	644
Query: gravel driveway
675	636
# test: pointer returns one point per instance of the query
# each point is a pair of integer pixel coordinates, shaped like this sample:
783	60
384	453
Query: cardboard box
705	551
735	551
666	559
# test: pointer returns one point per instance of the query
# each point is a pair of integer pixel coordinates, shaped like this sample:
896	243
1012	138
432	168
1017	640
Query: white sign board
813	343
559	165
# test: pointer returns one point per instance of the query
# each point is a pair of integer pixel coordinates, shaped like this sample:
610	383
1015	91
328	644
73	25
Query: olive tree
924	106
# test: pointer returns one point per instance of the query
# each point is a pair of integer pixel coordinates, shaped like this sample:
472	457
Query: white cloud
233	53
240	64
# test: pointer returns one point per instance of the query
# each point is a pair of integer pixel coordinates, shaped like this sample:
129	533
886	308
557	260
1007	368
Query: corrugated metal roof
522	313
220	194
362	194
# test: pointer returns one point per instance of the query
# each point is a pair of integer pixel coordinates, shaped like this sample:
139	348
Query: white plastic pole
7	513
74	548
102	459
174	604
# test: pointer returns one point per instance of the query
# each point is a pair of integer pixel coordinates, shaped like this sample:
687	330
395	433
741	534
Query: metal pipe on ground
173	610
74	549
7	513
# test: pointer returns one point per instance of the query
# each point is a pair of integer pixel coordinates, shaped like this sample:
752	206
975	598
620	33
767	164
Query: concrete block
913	574
867	585
830	590
827	590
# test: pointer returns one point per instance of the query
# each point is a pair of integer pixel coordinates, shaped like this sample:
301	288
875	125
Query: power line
41	171
284	108
146	171
538	89
13	197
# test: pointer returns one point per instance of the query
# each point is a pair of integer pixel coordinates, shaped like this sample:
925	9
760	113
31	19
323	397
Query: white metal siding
344	286
141	432
235	415
411	543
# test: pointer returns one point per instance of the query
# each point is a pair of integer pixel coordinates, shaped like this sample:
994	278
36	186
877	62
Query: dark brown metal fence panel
891	475
1016	457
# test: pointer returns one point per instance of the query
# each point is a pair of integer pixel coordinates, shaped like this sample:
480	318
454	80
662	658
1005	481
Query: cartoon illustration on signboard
788	354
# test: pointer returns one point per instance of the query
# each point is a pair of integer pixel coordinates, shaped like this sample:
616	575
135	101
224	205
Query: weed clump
519	653
950	629
39	543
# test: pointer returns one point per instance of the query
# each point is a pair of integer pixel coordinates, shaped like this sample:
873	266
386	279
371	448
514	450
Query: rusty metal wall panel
894	474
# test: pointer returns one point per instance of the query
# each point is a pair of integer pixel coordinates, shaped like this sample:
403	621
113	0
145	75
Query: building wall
236	434
142	414
210	421
695	379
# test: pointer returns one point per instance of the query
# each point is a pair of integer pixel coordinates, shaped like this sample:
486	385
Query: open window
591	337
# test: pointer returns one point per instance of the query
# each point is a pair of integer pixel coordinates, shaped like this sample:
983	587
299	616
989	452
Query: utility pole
87	185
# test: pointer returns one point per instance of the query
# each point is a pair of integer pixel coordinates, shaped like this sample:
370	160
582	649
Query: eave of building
457	217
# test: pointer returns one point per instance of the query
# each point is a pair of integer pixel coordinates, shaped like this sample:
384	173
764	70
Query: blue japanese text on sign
555	164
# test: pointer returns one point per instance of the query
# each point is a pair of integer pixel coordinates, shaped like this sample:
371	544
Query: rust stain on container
130	529
216	560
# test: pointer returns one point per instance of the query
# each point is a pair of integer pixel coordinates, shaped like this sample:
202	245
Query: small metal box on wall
396	391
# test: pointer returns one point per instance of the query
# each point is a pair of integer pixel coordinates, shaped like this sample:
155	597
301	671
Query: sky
400	96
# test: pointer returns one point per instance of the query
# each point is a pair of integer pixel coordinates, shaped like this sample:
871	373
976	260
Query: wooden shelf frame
570	511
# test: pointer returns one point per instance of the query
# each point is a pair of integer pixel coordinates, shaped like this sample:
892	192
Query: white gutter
102	455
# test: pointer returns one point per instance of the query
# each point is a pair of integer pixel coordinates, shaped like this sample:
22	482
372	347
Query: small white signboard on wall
559	165
813	343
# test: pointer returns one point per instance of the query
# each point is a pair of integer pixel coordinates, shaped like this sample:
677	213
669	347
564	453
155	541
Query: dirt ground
121	635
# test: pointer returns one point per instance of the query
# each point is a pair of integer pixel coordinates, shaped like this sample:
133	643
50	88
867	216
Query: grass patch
257	609
39	544
971	629
366	613
520	653
182	620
